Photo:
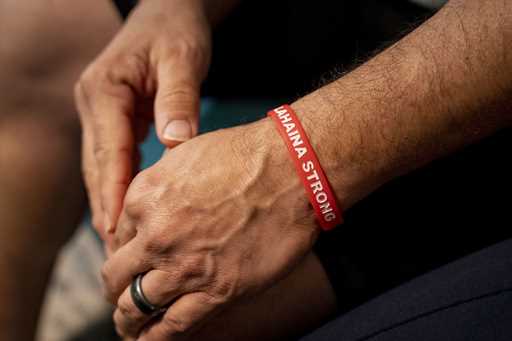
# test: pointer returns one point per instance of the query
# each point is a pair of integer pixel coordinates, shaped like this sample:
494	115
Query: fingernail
108	224
178	130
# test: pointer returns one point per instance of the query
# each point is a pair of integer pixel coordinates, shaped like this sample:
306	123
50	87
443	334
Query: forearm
445	85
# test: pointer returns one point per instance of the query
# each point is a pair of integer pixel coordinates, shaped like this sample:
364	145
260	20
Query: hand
221	217
296	305
152	69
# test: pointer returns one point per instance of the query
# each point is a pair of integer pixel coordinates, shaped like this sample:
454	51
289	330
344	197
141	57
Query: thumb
177	103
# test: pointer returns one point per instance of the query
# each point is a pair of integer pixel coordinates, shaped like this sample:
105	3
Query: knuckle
223	291
141	182
187	48
109	158
155	244
182	101
107	283
132	208
181	98
137	67
128	310
96	76
142	188
133	203
90	76
175	325
184	91
101	152
194	267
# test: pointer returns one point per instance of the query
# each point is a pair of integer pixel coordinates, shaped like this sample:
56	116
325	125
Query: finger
89	167
121	268
92	183
177	101
91	176
125	231
158	288
184	316
112	119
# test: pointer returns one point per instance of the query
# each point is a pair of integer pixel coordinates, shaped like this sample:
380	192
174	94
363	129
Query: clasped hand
218	218
214	221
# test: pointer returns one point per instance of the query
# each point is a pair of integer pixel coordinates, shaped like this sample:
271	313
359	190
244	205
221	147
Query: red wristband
308	167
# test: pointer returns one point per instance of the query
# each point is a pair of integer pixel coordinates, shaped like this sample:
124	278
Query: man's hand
152	69
224	215
301	302
221	217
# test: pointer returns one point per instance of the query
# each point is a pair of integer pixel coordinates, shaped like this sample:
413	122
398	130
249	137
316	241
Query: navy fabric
449	209
470	299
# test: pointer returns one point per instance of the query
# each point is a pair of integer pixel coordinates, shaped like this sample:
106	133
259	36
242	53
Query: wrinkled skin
152	70
209	226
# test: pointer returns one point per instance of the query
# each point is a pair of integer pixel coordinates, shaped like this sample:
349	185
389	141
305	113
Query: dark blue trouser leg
470	299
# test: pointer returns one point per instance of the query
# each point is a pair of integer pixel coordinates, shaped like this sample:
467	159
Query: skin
39	213
152	70
223	217
284	312
40	143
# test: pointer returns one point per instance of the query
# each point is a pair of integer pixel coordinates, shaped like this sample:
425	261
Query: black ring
139	299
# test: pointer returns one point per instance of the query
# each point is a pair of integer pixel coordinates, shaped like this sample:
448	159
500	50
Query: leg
470	299
44	47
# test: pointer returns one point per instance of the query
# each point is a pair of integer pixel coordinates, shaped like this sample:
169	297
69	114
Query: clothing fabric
430	3
124	7
470	299
453	207
248	51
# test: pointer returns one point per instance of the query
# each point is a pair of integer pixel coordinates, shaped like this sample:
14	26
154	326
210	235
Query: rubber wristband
308	167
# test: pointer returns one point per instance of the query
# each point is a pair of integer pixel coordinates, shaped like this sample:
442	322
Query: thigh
46	44
470	299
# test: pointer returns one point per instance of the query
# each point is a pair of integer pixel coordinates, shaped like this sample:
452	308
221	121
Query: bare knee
45	42
41	197
46	46
38	149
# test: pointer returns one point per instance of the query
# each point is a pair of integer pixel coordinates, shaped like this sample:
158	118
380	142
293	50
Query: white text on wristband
308	167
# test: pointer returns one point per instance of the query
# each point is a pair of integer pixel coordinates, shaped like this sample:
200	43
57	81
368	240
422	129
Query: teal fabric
214	115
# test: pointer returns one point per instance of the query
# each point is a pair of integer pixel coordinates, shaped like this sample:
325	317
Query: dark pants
417	224
470	299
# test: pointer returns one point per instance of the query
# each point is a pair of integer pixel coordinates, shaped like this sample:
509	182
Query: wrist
338	149
264	153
